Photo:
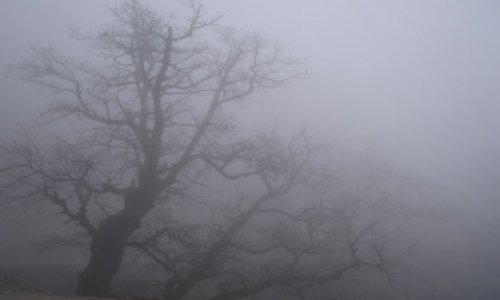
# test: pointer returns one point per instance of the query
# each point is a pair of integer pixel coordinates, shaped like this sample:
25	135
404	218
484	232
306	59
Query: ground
17	294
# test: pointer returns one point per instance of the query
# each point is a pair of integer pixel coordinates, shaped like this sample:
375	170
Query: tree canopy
155	160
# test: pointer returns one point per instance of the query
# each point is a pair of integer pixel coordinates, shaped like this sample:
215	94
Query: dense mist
401	97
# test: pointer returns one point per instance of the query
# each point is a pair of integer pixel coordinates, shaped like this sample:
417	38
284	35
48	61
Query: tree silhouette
150	115
152	106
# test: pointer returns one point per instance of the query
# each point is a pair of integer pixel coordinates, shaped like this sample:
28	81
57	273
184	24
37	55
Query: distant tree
291	230
151	125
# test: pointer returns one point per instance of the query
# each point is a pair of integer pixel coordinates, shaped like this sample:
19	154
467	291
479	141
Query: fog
414	82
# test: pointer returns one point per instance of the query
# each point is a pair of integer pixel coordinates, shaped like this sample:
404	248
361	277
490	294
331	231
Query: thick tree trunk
106	254
110	241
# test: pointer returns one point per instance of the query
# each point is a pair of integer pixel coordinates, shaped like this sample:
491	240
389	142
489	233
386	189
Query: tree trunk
106	254
110	241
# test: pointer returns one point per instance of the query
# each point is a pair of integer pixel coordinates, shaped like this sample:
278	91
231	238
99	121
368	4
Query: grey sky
416	77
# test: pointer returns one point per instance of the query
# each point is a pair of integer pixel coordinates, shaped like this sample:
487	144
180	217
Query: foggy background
415	81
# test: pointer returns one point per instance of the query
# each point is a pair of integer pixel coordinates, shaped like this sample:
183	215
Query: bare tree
150	130
151	105
291	229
